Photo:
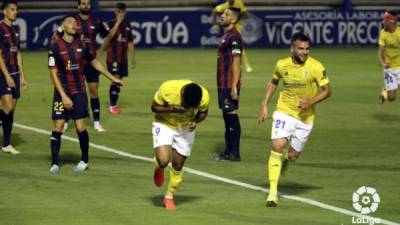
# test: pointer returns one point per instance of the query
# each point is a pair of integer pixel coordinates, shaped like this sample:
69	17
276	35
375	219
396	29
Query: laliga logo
366	200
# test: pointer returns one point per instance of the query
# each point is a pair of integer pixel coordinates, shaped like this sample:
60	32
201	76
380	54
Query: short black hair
300	37
391	12
66	17
121	6
237	12
192	95
7	3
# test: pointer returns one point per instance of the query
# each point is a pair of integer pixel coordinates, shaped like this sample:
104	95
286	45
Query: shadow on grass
356	167
385	117
294	188
179	199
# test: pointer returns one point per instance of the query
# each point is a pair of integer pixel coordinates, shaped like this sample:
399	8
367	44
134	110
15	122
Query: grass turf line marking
215	177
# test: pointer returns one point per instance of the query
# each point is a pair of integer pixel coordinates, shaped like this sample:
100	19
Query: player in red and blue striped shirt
67	58
228	80
117	56
11	71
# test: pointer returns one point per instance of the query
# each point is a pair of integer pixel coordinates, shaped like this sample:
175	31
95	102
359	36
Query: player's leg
232	126
162	142
83	137
79	114
55	144
114	95
182	147
7	114
95	105
391	84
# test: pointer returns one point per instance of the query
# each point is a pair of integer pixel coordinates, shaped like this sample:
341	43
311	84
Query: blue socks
84	144
114	94
55	143
232	135
95	105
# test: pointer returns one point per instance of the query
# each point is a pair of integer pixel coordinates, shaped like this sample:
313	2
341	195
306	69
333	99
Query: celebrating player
12	76
67	58
228	81
179	105
389	55
294	115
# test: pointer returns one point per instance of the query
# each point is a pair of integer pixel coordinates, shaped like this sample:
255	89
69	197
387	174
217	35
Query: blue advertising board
191	28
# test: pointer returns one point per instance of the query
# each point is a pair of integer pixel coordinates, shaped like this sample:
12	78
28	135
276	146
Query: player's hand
262	115
120	17
178	109
386	66
304	104
24	84
234	93
215	29
10	82
117	81
67	102
192	125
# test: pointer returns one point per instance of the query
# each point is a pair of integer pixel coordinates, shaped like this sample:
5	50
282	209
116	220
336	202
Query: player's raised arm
269	92
107	40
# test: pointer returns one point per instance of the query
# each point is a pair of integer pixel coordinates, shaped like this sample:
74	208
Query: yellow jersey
169	94
236	4
299	81
391	43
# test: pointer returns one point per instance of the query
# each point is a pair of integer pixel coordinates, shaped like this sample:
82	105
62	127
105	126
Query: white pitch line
217	178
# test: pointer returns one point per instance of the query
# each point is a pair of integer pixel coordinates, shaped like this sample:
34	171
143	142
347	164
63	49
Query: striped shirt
9	44
231	46
117	52
69	59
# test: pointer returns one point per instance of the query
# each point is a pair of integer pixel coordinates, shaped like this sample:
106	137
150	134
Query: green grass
355	142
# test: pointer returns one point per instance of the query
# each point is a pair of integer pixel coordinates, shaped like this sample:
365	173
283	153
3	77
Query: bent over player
178	106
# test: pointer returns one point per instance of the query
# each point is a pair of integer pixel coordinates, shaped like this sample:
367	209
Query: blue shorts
91	74
118	69
225	101
79	110
5	90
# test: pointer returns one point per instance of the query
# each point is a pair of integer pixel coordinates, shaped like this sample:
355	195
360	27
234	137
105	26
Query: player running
293	118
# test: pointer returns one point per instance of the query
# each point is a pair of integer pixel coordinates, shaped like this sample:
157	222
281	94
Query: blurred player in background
219	9
293	118
178	106
389	55
67	58
12	76
117	56
88	28
228	81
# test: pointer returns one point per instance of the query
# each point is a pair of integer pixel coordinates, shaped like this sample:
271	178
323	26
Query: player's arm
322	95
24	83
200	116
107	40
235	76
381	56
131	51
67	102
157	108
269	92
4	70
99	67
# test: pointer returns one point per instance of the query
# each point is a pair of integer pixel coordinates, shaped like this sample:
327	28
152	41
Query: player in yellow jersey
219	9
179	105
302	77
389	55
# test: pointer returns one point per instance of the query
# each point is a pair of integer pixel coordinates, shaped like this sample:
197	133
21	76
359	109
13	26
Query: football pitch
355	142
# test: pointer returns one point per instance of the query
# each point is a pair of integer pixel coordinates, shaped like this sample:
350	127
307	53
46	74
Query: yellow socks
384	94
274	170
175	179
